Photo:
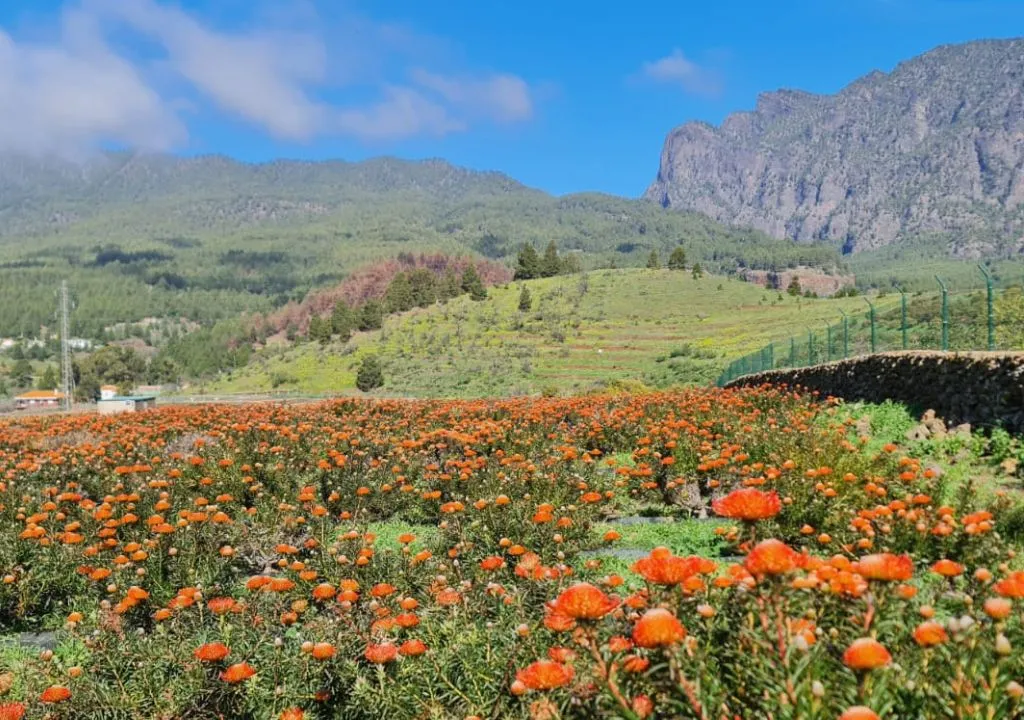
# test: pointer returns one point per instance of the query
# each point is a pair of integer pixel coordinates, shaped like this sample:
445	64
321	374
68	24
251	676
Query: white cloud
260	76
78	91
676	69
503	98
66	97
402	112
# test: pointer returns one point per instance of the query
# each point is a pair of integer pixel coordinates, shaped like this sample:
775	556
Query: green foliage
48	380
549	263
21	373
677	260
371	315
320	329
698	271
370	375
653	263
794	287
472	284
525	300
527	263
343	320
111	365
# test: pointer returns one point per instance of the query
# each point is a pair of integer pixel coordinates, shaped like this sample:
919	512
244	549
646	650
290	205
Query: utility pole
67	378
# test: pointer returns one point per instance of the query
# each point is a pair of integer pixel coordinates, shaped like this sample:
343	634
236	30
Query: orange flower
663	568
930	633
381	654
293	713
658	628
583	601
866	654
492	563
382	590
238	673
885	566
323	651
859	712
324	591
545	675
998	608
12	711
948	568
1011	586
221	605
556	622
412	648
211	652
55	694
748	504
772	557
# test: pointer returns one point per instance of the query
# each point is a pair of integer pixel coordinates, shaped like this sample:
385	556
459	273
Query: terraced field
582	332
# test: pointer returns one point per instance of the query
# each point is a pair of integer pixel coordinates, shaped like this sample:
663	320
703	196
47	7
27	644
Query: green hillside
583	331
207	238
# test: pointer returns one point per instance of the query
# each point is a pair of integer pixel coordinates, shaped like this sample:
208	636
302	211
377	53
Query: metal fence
984	318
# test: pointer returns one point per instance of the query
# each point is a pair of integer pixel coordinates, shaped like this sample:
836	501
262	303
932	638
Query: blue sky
563	95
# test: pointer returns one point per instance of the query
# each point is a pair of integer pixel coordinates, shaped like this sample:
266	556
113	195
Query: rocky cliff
931	152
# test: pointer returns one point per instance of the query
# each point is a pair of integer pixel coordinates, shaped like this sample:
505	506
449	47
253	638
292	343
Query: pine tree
472	284
653	262
371	316
370	374
677	260
398	297
794	287
527	263
423	286
48	380
450	287
525	301
343	320
698	271
319	330
549	264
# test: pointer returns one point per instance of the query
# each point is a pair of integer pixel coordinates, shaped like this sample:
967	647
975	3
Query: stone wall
980	388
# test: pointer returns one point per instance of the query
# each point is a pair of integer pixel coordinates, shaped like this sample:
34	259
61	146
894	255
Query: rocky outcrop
933	150
980	388
817	282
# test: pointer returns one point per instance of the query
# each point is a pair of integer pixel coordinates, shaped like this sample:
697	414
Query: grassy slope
617	330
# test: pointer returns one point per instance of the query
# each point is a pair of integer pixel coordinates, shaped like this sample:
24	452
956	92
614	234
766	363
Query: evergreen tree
527	263
794	287
549	264
343	320
370	374
398	297
371	316
423	287
48	380
320	329
525	301
677	260
653	262
472	283
570	264
450	286
698	271
21	373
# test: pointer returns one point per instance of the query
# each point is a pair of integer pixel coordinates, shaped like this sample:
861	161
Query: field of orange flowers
217	562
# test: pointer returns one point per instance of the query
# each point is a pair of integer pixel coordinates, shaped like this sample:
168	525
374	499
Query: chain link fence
985	318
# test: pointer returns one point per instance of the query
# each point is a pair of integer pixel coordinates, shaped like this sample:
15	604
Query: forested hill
207	238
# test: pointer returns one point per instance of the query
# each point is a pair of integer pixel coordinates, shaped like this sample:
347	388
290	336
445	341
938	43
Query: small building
35	399
108	392
125	403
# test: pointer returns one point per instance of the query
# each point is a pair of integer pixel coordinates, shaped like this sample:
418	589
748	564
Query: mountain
207	238
931	152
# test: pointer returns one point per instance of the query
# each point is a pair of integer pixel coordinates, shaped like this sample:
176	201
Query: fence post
991	307
792	352
945	313
810	347
771	356
828	346
874	336
903	315
846	334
